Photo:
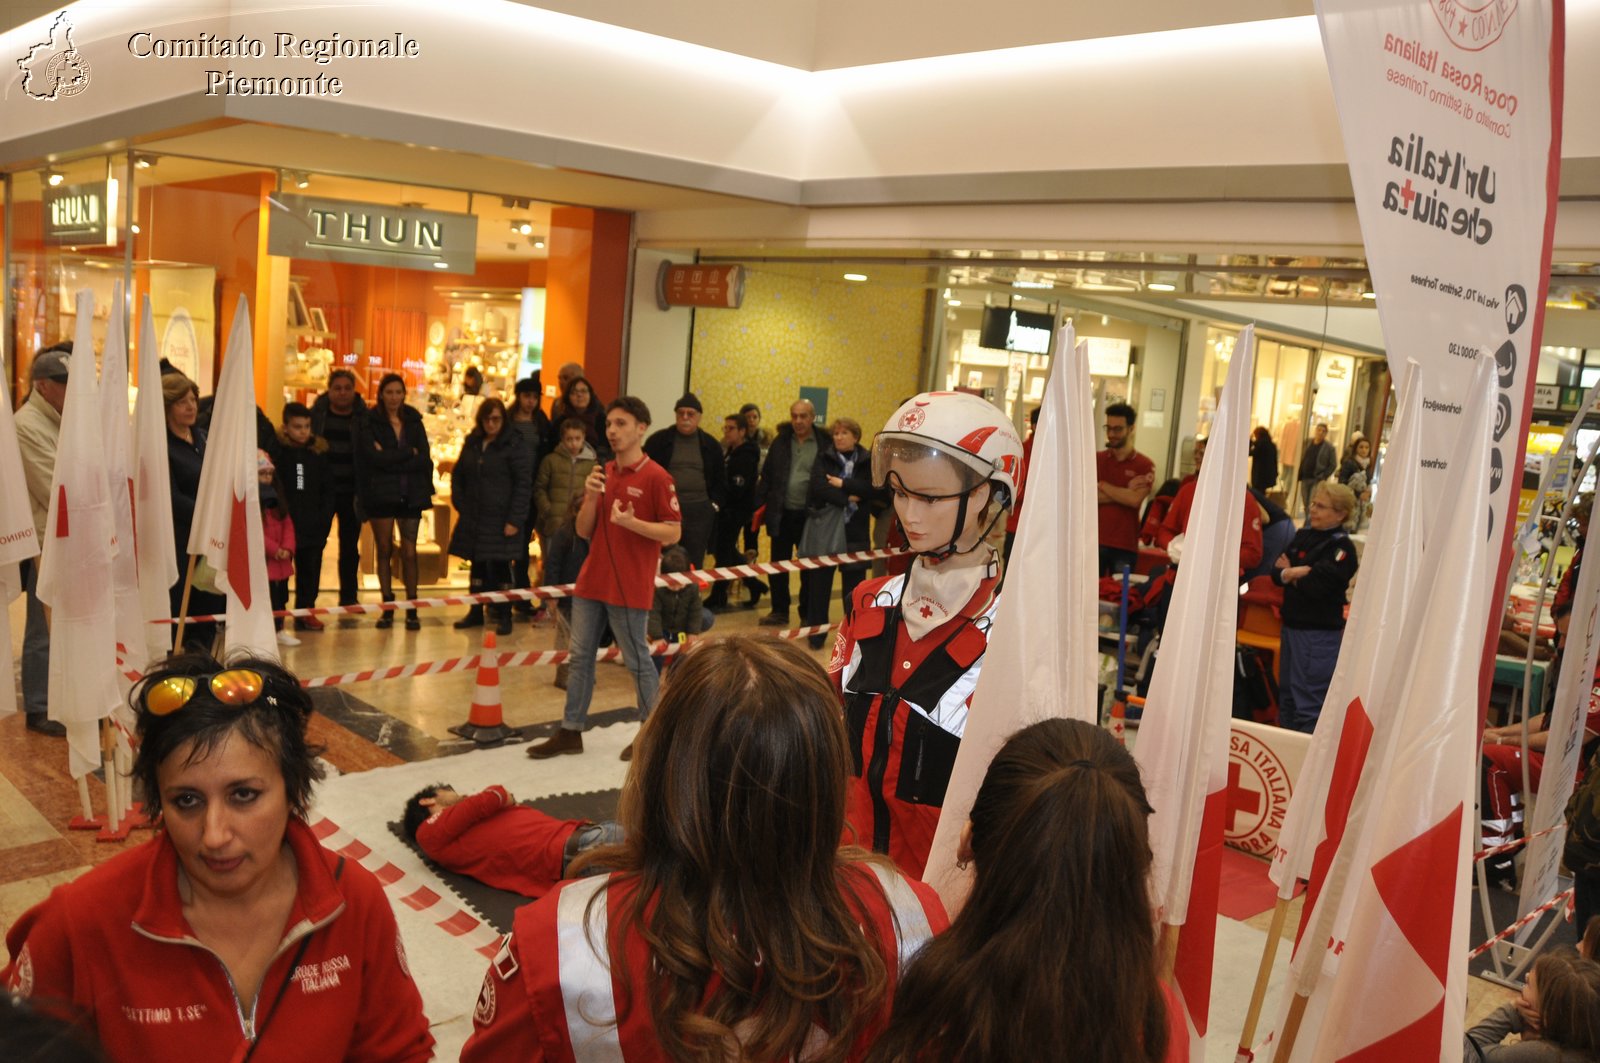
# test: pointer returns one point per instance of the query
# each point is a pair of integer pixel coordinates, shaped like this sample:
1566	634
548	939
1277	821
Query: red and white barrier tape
477	934
1559	898
1515	843
672	580
498	660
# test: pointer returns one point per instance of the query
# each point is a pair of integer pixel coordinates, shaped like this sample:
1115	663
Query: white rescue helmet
969	432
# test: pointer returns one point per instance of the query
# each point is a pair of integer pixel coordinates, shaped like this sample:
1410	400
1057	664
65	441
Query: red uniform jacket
115	944
1177	521
496	841
906	709
548	989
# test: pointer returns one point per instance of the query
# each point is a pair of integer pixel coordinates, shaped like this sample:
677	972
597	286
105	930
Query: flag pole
183	605
1169	949
108	760
1247	1036
83	798
1291	1028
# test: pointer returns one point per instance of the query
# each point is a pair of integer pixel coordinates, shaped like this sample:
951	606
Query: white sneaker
286	639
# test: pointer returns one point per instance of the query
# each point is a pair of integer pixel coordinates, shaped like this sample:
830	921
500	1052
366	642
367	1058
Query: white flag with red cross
1386	947
75	566
227	528
18	540
1363	680
1182	746
156	546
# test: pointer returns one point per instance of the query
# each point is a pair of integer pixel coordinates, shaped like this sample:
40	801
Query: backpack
1582	851
1255	691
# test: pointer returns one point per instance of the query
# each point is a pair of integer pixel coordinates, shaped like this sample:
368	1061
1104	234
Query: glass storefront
1297	387
192	235
1129	361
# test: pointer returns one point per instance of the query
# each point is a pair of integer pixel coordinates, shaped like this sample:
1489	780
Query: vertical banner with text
1451	114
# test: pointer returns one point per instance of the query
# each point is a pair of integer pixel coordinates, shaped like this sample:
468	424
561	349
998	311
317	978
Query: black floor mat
1504	907
498	907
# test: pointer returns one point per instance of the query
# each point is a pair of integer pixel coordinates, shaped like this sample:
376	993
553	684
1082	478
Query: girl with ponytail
1055	951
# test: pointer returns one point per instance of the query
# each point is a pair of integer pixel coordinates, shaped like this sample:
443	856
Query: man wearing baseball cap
38	423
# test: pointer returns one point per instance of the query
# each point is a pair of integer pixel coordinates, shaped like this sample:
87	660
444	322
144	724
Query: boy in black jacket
308	491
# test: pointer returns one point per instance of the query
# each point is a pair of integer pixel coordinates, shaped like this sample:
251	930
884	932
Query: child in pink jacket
277	532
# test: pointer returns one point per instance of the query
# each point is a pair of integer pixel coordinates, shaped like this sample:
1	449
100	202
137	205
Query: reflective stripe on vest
585	972
911	929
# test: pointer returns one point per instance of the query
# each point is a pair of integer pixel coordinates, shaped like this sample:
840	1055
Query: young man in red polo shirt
1125	477
630	511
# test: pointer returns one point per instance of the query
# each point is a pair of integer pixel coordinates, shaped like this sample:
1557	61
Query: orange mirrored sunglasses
237	687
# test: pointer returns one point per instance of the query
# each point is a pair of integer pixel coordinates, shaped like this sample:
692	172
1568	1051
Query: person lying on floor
491	838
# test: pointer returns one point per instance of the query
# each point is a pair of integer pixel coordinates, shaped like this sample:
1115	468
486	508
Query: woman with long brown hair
730	923
394	481
1054	953
1556	1016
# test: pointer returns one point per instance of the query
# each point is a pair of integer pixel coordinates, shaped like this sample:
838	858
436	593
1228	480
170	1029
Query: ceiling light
1104	320
1162	287
1369	295
53	178
953	302
302	180
135	228
441	265
858	277
143	162
518	225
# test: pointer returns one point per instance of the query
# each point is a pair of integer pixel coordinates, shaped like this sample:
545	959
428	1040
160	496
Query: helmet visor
924	468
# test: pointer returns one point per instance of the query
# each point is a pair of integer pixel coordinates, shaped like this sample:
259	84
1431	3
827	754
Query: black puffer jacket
490	488
393	475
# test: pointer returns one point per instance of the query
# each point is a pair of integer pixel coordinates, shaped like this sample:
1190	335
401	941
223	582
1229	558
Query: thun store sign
372	234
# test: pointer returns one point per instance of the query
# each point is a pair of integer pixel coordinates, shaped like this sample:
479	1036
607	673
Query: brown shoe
563	741
562	671
774	619
627	752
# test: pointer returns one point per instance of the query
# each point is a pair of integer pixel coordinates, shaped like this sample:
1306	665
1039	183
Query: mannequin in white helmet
907	658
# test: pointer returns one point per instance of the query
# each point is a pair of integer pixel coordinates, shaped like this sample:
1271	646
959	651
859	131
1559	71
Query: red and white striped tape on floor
458	923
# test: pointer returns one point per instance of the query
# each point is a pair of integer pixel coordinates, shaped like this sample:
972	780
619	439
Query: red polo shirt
622	564
1119	524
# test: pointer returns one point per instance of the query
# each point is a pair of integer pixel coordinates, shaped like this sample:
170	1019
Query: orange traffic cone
485	723
1118	721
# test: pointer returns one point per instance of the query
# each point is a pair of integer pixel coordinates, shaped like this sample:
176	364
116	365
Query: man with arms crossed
1125	477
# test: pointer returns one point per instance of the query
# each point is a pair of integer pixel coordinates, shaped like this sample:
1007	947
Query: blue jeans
35	647
1305	668
589	620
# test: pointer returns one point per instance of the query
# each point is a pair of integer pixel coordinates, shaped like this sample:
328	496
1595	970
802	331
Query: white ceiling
829	34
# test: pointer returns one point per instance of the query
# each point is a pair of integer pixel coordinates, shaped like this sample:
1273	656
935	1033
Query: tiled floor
378	723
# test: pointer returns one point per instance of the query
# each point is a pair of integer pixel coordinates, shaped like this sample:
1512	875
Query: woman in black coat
186	449
841	479
394	485
1263	460
490	489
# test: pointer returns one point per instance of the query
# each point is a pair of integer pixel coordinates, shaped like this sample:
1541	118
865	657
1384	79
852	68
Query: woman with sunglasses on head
1056	945
232	934
907	656
731	925
394	481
